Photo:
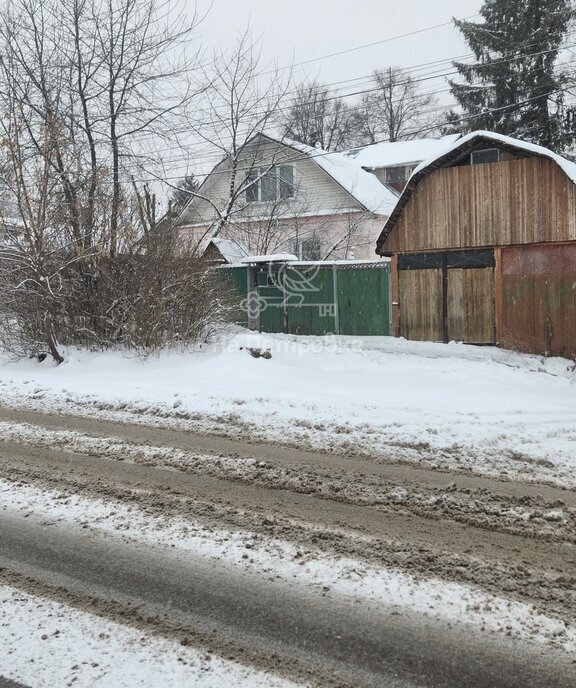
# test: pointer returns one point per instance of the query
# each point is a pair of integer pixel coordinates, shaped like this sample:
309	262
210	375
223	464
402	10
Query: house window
479	157
398	174
270	184
308	249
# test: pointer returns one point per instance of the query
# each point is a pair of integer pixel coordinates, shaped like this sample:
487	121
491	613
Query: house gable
323	185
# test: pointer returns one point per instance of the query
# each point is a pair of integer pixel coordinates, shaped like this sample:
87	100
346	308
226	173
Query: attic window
270	184
484	155
397	173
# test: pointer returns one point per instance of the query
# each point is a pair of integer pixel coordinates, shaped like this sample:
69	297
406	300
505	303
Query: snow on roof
232	251
388	154
362	185
272	258
289	258
568	167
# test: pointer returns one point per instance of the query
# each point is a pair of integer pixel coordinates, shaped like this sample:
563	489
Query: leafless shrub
144	302
88	90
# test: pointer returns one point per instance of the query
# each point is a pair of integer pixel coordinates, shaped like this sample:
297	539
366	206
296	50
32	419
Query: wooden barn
483	247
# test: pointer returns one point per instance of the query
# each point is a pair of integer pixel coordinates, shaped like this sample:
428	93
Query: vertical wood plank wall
525	209
421	305
395	297
498	292
471	306
527	200
538	304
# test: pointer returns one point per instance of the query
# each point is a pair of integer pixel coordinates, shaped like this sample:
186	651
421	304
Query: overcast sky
308	31
295	31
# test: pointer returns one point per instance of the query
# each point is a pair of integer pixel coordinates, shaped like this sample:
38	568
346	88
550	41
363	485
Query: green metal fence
236	281
314	299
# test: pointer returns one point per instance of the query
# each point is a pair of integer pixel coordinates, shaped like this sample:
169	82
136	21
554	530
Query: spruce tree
183	192
514	86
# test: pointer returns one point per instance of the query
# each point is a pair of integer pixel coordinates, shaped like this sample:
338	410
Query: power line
302	156
426	77
321	154
208	158
368	45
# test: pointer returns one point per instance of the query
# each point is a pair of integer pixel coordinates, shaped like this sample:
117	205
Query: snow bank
482	409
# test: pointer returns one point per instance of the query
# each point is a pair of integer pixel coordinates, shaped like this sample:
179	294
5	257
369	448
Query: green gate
315	314
236	287
314	298
364	303
271	298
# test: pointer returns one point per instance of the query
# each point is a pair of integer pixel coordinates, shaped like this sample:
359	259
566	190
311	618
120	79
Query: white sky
297	30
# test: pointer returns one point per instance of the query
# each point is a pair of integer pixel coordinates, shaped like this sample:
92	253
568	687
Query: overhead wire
431	75
206	159
311	156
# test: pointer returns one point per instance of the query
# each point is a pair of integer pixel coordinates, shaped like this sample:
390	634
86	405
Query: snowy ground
277	558
483	409
44	644
480	409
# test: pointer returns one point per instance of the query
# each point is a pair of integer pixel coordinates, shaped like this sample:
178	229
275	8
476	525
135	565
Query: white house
284	196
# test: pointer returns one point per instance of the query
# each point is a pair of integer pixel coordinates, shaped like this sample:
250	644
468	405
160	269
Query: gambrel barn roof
457	151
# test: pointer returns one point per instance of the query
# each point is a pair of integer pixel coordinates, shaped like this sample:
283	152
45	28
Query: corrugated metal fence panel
271	299
364	301
301	299
538	313
237	279
314	312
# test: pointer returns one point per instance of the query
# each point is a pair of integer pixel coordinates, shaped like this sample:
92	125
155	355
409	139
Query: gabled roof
231	250
457	150
349	174
391	154
363	186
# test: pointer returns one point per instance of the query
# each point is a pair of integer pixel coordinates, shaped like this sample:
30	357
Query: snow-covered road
422	479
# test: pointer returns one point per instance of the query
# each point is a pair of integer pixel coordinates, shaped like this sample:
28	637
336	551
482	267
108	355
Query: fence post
335	289
253	300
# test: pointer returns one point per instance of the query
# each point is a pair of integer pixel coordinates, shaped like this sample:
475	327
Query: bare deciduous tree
254	195
394	110
239	103
317	117
86	90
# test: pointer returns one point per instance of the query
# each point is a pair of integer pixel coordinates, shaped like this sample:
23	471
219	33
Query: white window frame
258	176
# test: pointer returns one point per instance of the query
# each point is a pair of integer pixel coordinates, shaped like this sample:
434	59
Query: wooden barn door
421	304
470	305
447	296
